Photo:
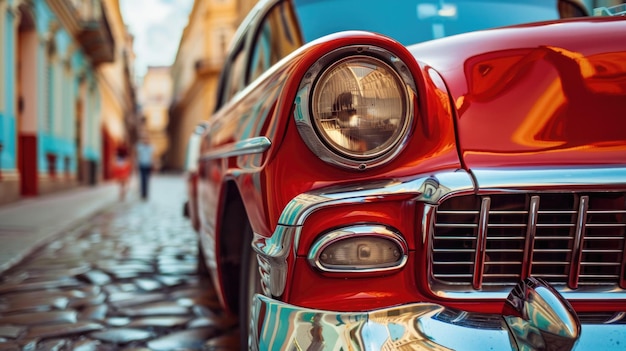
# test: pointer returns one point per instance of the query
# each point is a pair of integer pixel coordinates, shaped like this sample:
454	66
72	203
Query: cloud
157	26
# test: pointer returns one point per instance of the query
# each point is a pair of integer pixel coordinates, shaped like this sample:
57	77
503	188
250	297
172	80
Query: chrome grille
570	240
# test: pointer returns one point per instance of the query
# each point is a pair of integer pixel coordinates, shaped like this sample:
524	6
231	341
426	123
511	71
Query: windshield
413	21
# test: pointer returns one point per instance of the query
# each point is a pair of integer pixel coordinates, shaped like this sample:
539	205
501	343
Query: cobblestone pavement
125	280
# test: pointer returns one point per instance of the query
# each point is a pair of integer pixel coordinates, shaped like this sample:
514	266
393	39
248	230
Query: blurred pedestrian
122	169
144	161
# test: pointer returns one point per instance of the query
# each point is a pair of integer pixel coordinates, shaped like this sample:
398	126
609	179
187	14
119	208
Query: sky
156	26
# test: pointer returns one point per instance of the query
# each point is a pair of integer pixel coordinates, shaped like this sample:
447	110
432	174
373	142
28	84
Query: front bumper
536	317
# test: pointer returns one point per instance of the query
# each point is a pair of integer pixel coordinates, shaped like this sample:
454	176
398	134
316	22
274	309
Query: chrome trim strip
358	231
272	254
430	189
577	245
481	243
539	178
586	293
428	224
622	280
531	231
250	146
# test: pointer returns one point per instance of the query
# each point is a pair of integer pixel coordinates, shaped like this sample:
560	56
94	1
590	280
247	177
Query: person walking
122	169
144	161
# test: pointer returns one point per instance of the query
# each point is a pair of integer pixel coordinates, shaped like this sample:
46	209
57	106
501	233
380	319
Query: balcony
86	20
97	41
209	65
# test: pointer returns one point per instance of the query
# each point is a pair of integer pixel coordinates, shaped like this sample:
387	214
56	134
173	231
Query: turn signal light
364	248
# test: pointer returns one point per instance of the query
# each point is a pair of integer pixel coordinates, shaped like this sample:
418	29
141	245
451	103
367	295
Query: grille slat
502	276
512	262
455	225
452	263
602	276
550	237
602	251
455	238
571	239
504	250
550	263
506	226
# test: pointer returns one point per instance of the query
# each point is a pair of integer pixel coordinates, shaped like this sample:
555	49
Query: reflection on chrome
274	251
272	255
429	189
250	146
292	328
550	178
538	317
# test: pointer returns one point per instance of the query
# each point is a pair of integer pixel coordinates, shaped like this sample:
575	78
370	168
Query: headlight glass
359	107
359	249
361	252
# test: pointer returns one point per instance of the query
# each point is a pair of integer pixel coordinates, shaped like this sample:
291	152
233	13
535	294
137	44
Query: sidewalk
28	224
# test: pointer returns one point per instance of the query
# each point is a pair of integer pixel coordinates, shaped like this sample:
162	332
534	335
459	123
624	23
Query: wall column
9	176
3	89
3	68
27	100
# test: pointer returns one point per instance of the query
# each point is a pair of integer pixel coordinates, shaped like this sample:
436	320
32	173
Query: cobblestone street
124	280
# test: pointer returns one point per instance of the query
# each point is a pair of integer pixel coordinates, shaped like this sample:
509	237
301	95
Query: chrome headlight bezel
307	93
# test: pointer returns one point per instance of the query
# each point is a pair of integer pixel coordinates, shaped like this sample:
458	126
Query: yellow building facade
196	69
118	113
154	97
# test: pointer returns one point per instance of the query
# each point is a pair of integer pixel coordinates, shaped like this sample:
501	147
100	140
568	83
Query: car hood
537	95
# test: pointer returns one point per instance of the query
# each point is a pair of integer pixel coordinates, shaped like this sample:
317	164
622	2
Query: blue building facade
50	128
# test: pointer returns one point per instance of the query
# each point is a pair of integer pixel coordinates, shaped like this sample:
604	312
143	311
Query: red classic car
401	175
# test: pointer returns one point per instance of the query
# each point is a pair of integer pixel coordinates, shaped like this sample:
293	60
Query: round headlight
359	107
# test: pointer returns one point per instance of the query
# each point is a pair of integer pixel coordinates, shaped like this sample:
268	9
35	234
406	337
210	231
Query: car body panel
521	104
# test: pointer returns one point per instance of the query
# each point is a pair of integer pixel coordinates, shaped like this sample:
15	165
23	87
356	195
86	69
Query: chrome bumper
535	317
